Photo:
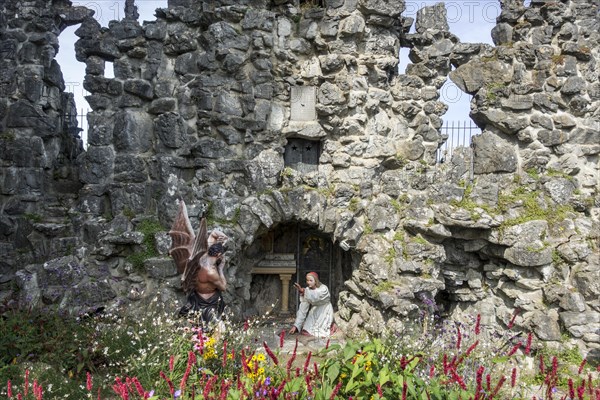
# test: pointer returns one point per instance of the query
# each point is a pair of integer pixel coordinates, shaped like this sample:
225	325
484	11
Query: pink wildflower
88	383
571	389
26	384
171	386
471	348
512	320
336	390
270	353
281	337
307	362
514	349
581	366
498	386
528	344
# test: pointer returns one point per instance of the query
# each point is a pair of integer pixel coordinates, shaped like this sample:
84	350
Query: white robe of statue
315	314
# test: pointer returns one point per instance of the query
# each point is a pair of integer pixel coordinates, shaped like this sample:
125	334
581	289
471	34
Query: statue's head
216	249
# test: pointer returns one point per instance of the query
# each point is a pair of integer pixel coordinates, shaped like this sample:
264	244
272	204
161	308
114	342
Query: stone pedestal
284	265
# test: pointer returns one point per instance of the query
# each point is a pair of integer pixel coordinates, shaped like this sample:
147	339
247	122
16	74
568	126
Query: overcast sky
470	20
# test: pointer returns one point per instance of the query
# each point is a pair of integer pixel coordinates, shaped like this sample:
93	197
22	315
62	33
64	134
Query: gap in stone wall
73	72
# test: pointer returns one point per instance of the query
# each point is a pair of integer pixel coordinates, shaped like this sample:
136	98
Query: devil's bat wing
183	240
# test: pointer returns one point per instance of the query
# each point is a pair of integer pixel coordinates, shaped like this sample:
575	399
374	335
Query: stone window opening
310	3
109	70
302	154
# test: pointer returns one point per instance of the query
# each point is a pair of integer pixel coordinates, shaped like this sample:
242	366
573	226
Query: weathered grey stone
472	77
533	253
96	164
578	323
492	154
552	138
171	129
560	189
545	325
391	8
525	232
573	301
133	131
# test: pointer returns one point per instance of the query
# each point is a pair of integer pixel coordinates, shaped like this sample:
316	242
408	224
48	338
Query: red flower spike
528	344
270	353
307	362
581	366
513	377
26	384
478	325
404	390
571	389
498	386
512	320
514	349
336	390
471	348
88	382
171	386
281	338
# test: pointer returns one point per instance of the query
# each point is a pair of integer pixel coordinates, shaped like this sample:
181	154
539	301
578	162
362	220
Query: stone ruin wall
200	108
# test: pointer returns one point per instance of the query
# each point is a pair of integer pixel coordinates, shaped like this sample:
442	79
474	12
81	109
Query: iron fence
458	134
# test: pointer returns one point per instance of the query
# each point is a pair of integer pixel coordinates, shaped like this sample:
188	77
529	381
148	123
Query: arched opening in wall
283	256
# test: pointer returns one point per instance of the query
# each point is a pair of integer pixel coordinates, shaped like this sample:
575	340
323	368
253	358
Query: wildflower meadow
152	355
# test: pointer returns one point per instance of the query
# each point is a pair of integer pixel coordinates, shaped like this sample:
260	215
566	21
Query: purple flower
177	394
268	381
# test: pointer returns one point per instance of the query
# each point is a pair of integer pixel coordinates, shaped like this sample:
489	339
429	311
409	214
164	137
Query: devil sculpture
200	260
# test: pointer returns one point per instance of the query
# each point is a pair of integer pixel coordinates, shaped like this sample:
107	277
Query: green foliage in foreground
153	356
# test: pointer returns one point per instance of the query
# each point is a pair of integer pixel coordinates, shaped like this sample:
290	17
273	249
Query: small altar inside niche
284	265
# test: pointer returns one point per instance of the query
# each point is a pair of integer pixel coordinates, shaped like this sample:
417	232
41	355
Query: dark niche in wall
302	154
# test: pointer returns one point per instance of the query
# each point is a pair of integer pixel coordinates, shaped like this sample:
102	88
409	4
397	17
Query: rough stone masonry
204	103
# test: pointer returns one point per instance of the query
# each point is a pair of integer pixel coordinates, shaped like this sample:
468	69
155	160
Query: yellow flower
261	357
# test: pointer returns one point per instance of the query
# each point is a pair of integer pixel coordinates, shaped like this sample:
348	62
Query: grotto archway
303	247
